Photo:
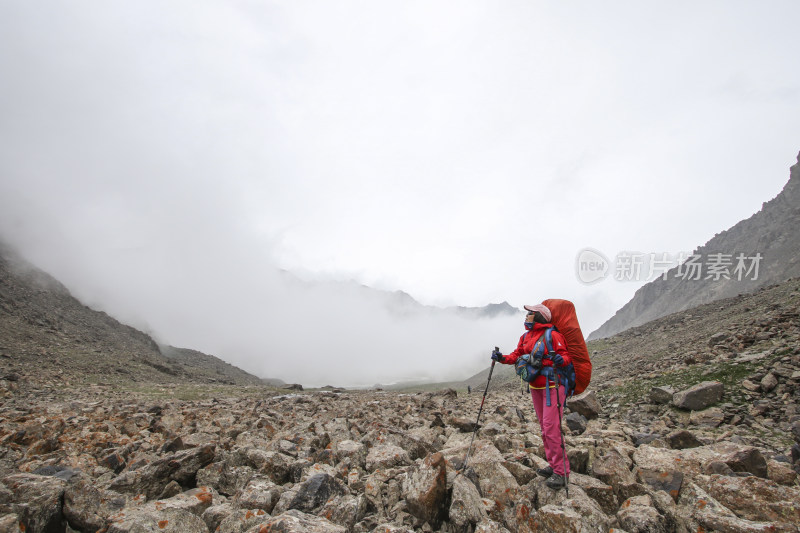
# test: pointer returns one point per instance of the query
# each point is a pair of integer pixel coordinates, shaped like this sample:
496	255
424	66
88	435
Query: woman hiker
537	321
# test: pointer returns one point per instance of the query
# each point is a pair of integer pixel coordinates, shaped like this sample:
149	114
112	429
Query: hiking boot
555	481
545	472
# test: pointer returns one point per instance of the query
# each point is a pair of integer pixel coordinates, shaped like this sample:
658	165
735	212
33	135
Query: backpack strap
548	339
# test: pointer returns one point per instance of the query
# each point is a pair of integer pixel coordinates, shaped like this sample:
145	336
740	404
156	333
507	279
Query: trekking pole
561	430
469	450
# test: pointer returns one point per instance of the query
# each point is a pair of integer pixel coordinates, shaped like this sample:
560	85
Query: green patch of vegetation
729	373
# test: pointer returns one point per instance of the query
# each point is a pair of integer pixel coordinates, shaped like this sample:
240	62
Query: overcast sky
165	159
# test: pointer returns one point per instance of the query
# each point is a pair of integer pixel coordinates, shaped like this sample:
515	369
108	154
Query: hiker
469	389
537	321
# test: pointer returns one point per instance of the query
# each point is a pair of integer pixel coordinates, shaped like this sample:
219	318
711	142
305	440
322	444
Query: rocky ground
97	460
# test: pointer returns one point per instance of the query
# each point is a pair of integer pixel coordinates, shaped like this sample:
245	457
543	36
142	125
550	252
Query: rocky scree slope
749	343
774	232
360	461
46	335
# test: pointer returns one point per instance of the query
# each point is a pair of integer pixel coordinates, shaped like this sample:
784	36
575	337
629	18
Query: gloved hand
557	360
497	356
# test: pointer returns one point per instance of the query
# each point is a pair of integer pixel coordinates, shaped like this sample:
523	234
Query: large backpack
565	320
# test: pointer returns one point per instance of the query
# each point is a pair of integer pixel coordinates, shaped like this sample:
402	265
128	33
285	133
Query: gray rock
699	397
315	492
295	521
586	404
612	469
466	506
88	507
661	395
242	520
749	460
149	519
711	417
638	515
576	423
214	515
151	480
386	456
228	480
37	501
345	510
769	382
259	493
425	490
670	481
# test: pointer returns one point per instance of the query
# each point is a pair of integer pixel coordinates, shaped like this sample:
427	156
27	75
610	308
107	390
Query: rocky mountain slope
691	424
46	335
774	232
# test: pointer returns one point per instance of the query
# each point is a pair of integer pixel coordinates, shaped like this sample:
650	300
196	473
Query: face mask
529	321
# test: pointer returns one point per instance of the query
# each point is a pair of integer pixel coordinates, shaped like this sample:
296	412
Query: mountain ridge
773	232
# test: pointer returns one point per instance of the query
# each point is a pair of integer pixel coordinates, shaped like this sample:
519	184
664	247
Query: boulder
682	439
699	511
37	501
345	510
214	515
241	520
754	498
385	456
259	493
295	521
586	404
462	424
748	459
769	382
699	397
576	423
228	480
711	417
151	480
150	519
638	515
597	490
88	507
274	465
555	518
466	506
612	469
662	395
670	481
356	452
425	490
315	492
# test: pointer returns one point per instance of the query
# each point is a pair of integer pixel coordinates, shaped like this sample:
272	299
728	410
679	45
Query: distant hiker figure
543	361
469	389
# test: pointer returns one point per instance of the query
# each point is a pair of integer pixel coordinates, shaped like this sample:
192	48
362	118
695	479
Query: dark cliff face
774	232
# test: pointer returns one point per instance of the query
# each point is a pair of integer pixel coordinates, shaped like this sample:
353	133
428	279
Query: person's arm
511	358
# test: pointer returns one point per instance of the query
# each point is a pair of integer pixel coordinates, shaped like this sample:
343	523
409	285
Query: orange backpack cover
565	320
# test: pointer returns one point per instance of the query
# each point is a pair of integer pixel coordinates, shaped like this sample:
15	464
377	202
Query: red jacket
526	345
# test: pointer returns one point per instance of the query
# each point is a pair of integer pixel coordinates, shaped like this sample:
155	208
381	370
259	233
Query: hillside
95	459
48	336
774	232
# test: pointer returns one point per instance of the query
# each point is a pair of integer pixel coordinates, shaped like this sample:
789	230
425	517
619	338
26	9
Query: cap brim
528	307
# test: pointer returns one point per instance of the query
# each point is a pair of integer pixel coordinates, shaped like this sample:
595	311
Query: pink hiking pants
549	422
